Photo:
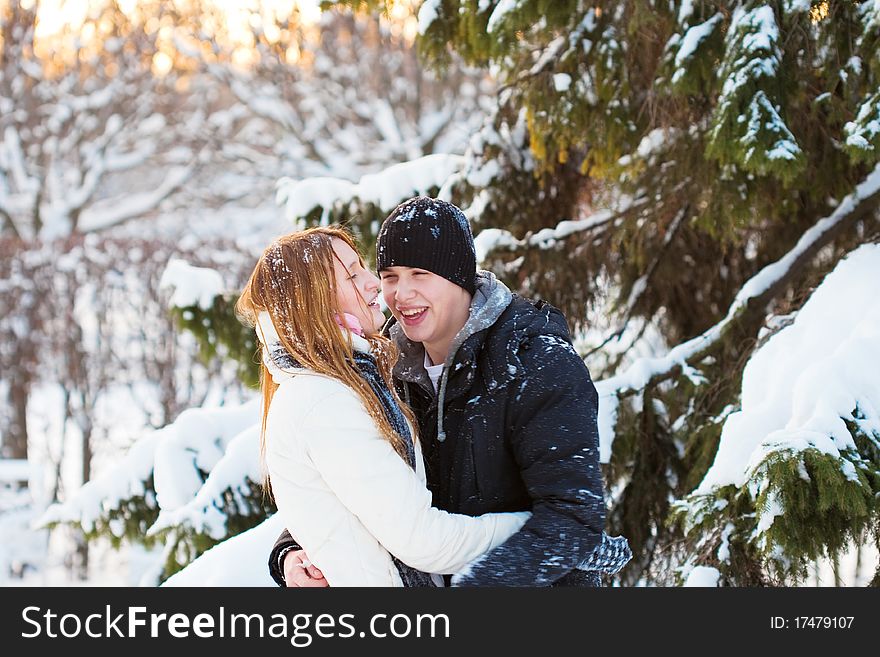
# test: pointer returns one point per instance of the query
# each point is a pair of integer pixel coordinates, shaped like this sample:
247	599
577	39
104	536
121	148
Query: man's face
430	308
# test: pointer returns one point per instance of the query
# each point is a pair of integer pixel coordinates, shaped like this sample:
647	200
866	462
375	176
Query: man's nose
404	290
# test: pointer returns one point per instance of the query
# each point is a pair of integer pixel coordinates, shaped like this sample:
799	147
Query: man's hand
299	572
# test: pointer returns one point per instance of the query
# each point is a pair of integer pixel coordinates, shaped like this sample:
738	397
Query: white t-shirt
434	371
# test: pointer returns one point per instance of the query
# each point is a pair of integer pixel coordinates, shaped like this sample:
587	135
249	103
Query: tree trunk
82	549
15	437
81	559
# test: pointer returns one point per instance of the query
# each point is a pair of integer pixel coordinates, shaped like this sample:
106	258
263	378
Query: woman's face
357	288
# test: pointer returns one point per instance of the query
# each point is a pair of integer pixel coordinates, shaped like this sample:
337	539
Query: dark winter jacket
518	432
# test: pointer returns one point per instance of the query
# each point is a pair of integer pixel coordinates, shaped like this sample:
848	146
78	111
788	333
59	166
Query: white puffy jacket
348	498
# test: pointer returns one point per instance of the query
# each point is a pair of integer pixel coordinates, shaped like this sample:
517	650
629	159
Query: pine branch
641	285
754	297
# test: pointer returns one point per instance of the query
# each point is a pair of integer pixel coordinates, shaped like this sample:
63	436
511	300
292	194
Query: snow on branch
428	13
175	457
385	189
500	13
192	286
238	561
802	386
193	444
129	479
491	239
135	205
757	292
204	514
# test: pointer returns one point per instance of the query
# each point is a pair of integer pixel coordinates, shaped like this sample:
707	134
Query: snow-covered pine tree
646	160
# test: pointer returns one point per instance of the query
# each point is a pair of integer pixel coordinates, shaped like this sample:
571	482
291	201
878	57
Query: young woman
344	465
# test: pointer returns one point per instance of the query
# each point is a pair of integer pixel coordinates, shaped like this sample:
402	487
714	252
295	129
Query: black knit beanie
429	234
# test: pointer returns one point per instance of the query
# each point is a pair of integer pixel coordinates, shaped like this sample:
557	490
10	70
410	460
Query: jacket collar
274	353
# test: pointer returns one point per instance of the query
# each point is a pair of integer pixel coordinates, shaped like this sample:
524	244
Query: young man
506	408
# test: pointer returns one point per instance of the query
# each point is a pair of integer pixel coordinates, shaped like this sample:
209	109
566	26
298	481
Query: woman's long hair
295	283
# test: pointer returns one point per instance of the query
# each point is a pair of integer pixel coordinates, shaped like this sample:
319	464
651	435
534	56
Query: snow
102	215
191	286
388	188
795	6
428	13
561	81
765	34
501	10
14	470
238	561
808	378
239	463
22	549
549	54
497	238
763	115
385	189
173	456
857	141
866	128
685	11
691	41
773	507
302	196
703	576
195	442
607	421
654	141
490	239
873	14
754	58
724	549
759	56
481	175
637	375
